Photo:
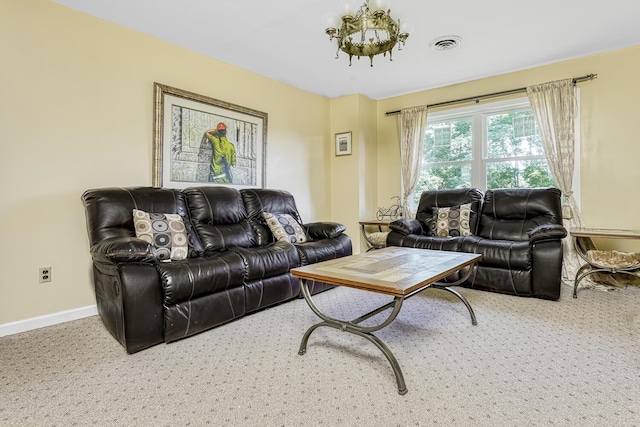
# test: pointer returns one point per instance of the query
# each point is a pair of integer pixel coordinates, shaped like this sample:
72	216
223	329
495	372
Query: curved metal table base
581	245
355	328
447	287
474	322
371	245
581	274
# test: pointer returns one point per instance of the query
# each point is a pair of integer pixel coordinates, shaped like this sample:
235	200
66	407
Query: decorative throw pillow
285	227
164	231
452	221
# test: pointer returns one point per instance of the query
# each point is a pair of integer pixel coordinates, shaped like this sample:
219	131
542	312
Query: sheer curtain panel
554	107
413	125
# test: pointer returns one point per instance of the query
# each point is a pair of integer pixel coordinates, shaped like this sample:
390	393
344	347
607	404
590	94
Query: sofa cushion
260	200
511	213
505	281
451	221
424	242
219	218
324	250
285	227
269	260
324	229
166	232
108	210
192	278
199	293
432	199
265	292
507	254
202	313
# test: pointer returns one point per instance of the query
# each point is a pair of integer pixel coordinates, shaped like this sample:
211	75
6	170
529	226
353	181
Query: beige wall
368	148
76	112
354	177
609	133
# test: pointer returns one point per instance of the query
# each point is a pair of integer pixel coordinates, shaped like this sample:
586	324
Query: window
488	146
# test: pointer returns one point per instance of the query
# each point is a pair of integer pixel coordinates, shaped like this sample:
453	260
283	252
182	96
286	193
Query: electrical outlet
45	274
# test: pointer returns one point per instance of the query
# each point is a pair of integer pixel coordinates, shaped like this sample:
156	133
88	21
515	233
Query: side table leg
580	274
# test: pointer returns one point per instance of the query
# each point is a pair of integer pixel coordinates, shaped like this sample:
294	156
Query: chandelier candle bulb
406	28
348	8
330	21
379	6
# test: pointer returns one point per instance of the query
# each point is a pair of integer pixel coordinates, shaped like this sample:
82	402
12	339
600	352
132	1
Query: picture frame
199	140
343	144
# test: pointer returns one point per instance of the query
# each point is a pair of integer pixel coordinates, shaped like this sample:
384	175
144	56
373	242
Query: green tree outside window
513	147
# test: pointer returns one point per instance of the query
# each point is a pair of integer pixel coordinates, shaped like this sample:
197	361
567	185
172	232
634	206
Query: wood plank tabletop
396	271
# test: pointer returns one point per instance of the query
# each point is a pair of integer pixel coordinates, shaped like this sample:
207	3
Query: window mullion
479	179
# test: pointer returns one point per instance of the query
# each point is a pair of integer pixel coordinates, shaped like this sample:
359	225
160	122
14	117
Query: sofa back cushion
263	200
510	213
219	218
433	199
109	211
259	200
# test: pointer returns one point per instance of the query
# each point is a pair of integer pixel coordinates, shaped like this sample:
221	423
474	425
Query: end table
583	244
375	223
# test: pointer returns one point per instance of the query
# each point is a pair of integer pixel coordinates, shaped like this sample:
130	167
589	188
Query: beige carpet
529	362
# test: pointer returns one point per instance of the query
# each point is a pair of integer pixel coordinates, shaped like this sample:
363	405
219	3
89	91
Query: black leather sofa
518	232
234	265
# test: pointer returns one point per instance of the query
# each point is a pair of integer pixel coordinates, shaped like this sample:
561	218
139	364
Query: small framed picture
343	143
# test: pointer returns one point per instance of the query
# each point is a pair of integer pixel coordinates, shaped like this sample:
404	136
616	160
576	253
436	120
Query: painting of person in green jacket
224	155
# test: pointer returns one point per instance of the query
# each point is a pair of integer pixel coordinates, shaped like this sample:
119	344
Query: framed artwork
343	143
199	140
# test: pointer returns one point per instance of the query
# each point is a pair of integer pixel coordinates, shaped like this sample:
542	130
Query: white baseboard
47	320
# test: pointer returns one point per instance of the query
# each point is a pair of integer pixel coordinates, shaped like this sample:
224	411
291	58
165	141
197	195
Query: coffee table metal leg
402	388
463	299
447	287
356	329
305	338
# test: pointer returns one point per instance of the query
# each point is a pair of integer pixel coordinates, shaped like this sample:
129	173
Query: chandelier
366	31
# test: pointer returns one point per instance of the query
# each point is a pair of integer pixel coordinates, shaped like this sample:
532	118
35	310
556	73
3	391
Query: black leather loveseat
196	258
518	232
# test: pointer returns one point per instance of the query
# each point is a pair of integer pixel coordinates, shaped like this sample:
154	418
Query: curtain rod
491	95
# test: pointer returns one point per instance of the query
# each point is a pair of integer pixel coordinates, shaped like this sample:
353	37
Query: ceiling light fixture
367	30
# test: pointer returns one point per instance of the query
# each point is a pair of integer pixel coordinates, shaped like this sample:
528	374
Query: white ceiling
285	40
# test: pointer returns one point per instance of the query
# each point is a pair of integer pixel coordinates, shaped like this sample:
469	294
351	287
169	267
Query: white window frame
478	113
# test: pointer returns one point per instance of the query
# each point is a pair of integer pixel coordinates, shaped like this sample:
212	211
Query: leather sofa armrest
547	232
406	226
123	249
324	230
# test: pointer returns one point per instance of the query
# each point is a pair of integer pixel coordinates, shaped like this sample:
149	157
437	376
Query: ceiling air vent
445	43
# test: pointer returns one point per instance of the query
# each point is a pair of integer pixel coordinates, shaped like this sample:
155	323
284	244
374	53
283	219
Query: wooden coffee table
395	271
